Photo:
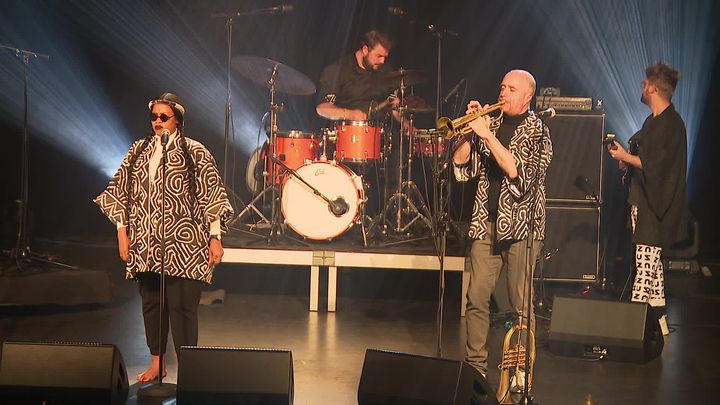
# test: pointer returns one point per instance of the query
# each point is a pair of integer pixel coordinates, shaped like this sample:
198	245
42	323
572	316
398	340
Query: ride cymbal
287	79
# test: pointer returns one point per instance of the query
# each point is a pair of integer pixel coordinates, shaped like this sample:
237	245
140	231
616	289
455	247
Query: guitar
629	169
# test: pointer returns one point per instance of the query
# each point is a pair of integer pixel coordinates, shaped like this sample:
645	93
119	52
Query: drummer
349	86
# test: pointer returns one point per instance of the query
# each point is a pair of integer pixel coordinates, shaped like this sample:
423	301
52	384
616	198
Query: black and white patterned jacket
188	220
531	147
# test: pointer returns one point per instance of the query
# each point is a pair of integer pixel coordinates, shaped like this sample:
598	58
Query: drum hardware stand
252	206
22	254
365	217
276	191
404	186
271	186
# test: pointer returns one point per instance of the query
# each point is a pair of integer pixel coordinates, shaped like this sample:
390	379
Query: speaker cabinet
572	235
224	375
73	373
619	331
577	154
403	379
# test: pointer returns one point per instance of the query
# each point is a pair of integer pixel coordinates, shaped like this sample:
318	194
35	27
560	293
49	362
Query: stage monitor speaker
577	141
66	373
572	241
590	328
403	379
227	375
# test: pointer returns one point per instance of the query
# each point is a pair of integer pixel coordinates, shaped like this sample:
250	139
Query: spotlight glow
612	42
65	106
67	103
146	39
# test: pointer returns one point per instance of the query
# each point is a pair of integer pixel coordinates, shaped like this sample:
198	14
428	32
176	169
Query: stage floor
267	306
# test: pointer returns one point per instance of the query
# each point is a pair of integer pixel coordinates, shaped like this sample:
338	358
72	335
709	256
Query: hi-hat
287	79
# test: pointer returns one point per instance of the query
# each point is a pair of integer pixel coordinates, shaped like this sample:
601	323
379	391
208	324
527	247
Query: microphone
164	137
441	31
280	9
338	206
453	90
397	11
546	113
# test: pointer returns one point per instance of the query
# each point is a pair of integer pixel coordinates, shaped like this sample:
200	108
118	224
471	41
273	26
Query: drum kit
319	184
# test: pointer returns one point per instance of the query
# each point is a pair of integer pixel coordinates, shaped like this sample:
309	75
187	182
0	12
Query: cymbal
287	79
392	78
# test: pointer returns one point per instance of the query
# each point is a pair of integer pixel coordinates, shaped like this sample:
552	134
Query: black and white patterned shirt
531	148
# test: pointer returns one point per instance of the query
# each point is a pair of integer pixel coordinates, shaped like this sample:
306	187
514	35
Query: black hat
170	99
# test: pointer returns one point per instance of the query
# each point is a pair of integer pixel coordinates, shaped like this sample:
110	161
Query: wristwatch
218	237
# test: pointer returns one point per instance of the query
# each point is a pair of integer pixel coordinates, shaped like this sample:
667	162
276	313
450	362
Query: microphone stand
228	103
228	97
21	253
229	122
161	390
526	399
439	225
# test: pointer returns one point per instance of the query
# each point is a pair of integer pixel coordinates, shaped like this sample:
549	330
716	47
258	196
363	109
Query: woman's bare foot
153	371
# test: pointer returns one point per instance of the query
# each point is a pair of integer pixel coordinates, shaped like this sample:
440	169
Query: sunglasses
163	117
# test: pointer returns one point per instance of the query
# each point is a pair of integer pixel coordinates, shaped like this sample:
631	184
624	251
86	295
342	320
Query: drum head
254	171
308	214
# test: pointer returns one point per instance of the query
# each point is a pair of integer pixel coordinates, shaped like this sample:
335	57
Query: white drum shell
308	214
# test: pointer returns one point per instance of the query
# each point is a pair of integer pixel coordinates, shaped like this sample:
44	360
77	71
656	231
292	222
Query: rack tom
358	141
294	148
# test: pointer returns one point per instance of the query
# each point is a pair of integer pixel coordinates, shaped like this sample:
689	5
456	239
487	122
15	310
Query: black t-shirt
495	174
347	85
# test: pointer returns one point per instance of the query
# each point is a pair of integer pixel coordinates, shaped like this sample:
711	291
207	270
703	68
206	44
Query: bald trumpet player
510	155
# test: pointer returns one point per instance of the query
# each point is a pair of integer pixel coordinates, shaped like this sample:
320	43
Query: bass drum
254	170
308	214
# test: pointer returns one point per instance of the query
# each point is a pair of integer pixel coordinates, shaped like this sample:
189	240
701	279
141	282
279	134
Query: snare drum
358	141
294	148
308	214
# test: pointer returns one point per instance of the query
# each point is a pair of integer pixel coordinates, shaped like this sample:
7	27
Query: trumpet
513	362
460	126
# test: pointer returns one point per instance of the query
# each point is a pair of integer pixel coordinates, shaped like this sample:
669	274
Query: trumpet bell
460	126
445	125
